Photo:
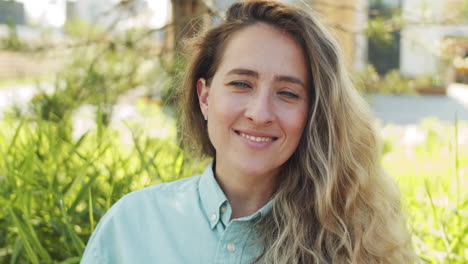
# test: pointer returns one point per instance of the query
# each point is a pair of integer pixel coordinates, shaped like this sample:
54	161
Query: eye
289	94
240	84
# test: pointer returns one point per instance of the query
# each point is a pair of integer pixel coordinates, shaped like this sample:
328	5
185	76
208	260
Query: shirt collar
212	198
211	195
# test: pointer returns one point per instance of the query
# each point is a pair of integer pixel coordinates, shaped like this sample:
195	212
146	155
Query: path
411	109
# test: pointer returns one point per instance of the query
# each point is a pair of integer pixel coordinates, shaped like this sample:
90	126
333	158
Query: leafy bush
98	74
430	162
81	29
53	189
369	81
12	41
393	82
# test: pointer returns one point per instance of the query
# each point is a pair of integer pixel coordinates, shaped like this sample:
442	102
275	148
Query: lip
257	145
255	133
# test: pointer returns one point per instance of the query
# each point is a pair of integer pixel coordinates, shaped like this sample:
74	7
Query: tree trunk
187	20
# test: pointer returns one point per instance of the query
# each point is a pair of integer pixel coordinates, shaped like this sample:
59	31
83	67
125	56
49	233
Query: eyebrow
279	78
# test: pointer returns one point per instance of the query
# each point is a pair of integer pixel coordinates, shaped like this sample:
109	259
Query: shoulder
157	194
143	216
150	206
154	202
182	185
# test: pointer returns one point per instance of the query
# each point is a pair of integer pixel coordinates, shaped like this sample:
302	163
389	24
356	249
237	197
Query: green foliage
55	107
379	31
97	74
432	171
393	82
369	81
12	42
82	29
54	189
425	81
384	19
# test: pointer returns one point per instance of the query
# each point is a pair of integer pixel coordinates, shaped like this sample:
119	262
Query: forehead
265	49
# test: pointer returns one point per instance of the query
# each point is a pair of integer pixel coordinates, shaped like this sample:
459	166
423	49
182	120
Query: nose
260	109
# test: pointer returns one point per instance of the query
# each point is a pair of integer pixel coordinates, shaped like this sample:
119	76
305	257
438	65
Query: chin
257	169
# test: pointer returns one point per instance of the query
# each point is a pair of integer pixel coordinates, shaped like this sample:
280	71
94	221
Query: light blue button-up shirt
185	221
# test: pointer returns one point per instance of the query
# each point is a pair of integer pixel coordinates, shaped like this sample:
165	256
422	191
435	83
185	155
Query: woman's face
257	102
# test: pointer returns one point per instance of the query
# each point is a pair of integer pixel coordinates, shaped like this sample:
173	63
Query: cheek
221	115
296	129
296	123
225	106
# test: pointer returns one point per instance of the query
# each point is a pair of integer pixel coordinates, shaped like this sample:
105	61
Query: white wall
152	13
420	44
44	12
91	10
360	40
418	48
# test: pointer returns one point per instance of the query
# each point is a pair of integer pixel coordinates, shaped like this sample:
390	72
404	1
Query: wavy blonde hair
334	203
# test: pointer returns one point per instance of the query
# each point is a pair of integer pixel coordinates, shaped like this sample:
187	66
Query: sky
52	12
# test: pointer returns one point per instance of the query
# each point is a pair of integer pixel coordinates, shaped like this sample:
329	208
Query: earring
206	117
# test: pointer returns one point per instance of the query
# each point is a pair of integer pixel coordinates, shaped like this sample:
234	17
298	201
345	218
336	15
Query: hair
335	204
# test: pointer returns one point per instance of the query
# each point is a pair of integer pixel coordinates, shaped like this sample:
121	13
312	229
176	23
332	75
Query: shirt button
231	247
223	208
213	217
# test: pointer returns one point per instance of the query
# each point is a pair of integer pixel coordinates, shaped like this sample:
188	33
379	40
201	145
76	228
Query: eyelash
242	84
289	94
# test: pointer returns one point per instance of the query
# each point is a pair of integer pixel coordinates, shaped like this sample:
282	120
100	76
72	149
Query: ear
203	92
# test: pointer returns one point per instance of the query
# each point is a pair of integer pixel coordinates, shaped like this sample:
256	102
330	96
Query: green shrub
432	175
394	83
368	81
12	41
53	189
81	29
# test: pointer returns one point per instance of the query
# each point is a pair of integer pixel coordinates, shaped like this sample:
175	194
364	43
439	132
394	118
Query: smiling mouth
257	139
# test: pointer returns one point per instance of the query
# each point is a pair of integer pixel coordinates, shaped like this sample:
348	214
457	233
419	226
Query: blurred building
382	53
120	14
11	12
431	26
422	44
89	10
45	13
347	21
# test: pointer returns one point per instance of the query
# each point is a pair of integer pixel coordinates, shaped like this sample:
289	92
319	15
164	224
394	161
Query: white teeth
258	139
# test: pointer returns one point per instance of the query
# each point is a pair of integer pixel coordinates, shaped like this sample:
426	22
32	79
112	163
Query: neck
246	193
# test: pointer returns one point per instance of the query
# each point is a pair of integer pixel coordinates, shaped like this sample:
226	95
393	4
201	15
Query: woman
295	176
